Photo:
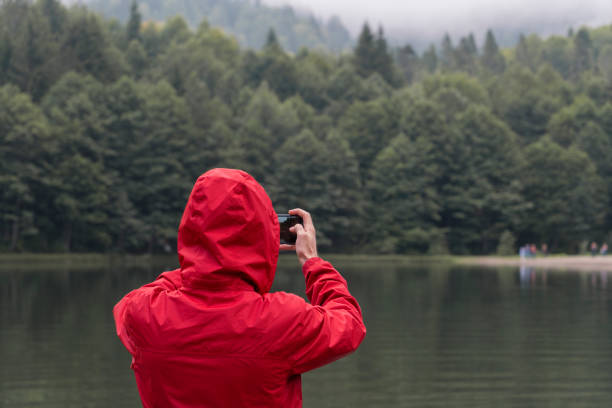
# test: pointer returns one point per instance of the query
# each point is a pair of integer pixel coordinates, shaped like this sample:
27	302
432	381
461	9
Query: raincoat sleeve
166	281
331	326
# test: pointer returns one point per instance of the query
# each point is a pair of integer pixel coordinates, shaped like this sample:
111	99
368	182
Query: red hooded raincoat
210	334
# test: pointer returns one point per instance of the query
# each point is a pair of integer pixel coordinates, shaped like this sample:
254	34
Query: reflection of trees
466	336
58	343
469	334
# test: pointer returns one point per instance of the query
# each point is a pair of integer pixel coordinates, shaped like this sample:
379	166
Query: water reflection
438	335
531	277
599	279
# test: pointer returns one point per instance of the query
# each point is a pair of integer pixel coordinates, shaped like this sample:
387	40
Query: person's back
209	334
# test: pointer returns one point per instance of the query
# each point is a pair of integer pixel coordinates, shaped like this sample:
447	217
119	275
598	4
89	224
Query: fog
421	21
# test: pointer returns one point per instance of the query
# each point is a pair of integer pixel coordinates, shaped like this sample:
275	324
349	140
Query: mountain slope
248	20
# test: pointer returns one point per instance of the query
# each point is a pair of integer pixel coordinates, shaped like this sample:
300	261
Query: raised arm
332	325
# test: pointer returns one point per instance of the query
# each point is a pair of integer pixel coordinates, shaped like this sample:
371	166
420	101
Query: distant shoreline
574	262
89	260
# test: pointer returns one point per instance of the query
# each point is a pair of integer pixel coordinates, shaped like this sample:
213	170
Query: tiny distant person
544	249
604	249
533	250
210	334
593	248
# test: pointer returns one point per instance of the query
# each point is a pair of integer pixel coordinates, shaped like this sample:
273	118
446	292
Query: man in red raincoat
210	334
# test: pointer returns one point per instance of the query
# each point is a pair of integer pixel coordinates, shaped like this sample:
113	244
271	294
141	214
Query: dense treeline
105	127
248	20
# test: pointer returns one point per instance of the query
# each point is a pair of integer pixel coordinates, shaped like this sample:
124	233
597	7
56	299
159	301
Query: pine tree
365	52
521	52
372	55
430	58
272	44
471	44
448	53
56	14
491	58
408	62
583	53
133	25
384	60
465	54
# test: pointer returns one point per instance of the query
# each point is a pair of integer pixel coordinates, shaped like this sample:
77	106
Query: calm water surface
438	336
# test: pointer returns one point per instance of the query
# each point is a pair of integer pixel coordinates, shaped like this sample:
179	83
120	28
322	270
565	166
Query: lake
439	335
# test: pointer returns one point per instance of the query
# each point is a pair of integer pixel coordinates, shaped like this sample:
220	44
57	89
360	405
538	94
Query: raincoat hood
228	237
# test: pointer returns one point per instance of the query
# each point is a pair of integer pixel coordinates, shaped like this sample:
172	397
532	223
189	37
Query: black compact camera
287	221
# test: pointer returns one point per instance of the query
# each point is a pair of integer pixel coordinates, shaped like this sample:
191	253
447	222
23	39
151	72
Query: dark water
438	336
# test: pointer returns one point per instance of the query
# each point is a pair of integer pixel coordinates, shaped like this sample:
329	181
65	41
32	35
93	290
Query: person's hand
306	242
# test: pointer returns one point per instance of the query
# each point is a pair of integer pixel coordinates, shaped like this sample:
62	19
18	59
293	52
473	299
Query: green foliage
372	55
248	21
507	244
302	183
133	24
492	59
104	126
368	126
24	150
562	184
402	182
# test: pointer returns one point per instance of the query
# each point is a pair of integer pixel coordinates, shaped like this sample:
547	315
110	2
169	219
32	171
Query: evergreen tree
272	43
56	15
583	52
372	55
88	49
384	60
430	58
447	59
465	55
408	62
31	53
491	58
134	23
366	52
521	52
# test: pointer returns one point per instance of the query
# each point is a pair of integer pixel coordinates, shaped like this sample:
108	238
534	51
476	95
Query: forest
247	20
465	148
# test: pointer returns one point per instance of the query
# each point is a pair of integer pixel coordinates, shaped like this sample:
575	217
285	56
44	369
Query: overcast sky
431	18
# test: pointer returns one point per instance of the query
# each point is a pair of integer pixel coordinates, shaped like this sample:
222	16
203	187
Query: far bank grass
76	261
38	261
